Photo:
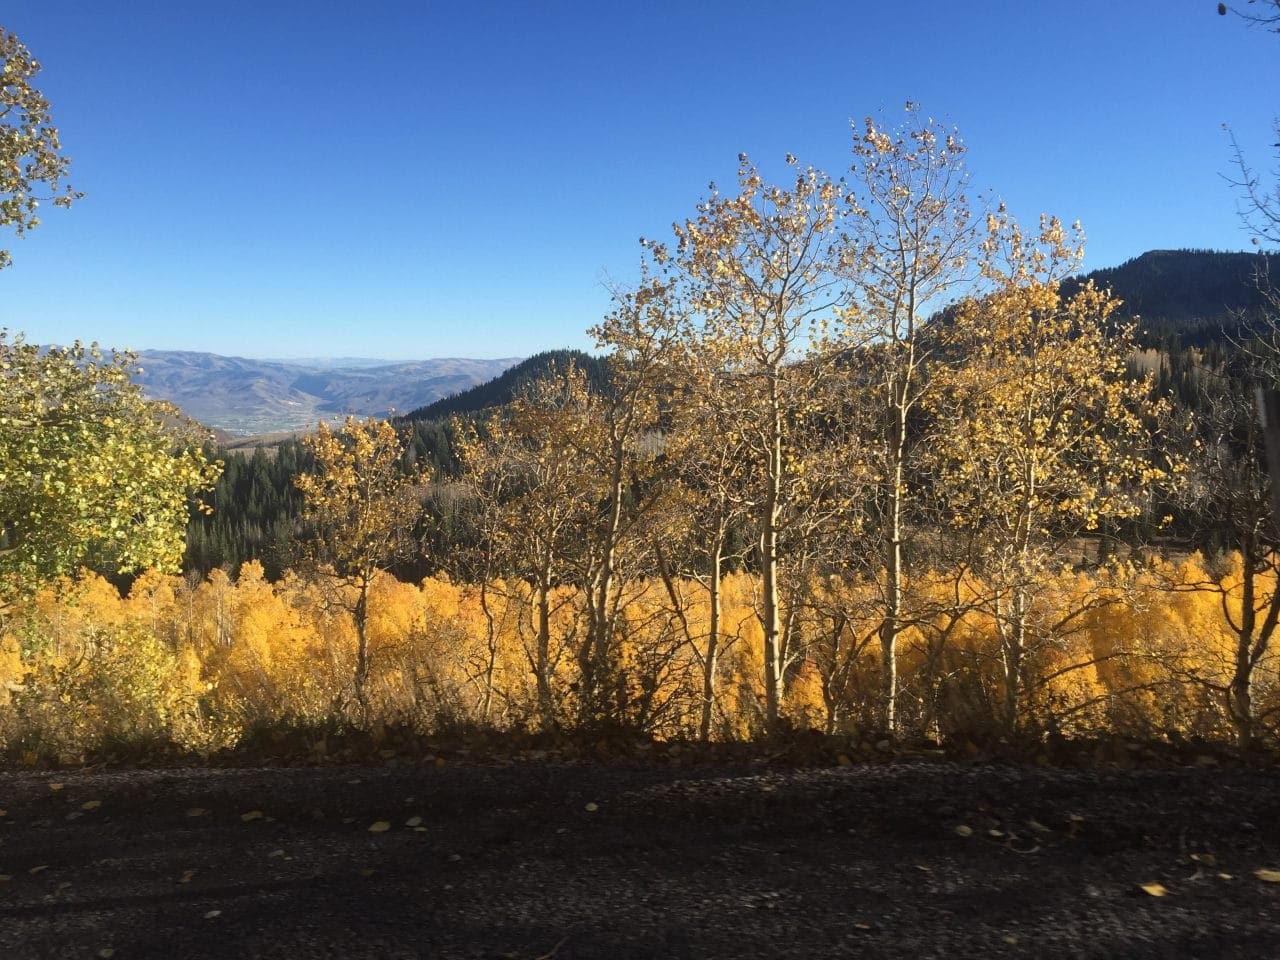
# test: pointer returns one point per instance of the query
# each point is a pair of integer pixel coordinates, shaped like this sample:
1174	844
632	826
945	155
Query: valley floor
552	859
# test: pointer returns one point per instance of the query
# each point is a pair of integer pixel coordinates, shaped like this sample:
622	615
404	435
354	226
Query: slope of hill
1191	295
245	396
503	388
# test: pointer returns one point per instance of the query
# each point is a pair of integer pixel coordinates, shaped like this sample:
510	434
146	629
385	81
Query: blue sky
415	179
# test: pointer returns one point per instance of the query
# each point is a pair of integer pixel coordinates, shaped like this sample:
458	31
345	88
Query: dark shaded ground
531	859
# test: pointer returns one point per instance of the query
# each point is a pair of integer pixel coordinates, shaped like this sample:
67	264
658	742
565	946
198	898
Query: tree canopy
90	470
30	151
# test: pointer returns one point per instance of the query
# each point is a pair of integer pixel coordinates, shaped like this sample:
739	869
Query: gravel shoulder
628	859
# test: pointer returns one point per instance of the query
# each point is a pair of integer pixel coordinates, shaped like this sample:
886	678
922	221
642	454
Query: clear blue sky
414	179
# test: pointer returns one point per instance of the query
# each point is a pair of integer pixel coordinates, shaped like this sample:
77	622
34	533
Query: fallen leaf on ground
91	805
1208	859
40	869
413	822
5	877
380	826
106	952
196	811
251	815
592	807
55	787
1267	875
963	830
276	853
1154	889
212	913
186	876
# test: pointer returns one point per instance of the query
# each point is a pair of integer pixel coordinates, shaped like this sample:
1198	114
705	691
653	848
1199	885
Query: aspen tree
31	154
363	510
1230	486
524	470
1048	434
90	470
617	440
759	273
911	227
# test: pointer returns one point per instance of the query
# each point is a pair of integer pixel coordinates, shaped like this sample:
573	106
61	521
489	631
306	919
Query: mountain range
1178	298
244	397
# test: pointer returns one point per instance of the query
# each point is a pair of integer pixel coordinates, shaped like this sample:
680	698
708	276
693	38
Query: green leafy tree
90	470
30	152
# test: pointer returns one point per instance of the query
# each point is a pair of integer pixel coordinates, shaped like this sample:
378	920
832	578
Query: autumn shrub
110	687
1143	652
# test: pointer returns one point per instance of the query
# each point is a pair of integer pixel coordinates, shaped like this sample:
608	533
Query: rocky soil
627	859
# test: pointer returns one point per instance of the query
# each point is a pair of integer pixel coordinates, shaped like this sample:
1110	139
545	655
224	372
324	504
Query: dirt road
568	860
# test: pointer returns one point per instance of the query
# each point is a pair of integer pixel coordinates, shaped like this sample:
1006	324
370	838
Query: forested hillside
1188	298
1182	299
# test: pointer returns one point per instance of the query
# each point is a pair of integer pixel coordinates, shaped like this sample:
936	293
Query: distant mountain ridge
1191	296
1180	297
503	389
244	396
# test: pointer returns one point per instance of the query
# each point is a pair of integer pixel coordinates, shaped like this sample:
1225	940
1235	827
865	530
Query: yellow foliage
1137	651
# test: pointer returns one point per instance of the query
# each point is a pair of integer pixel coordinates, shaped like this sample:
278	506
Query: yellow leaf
1267	875
592	807
1154	889
381	826
91	805
963	830
251	815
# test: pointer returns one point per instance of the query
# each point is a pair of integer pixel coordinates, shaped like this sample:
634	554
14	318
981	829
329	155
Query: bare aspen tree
912	230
